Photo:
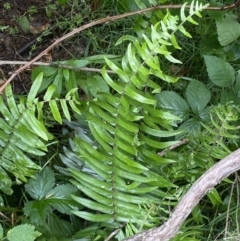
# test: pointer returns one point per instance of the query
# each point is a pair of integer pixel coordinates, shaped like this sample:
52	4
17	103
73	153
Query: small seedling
7	5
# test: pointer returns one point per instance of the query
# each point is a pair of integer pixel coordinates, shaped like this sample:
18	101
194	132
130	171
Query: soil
27	27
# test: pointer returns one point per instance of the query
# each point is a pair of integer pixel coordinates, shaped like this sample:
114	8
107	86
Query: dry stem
204	184
101	21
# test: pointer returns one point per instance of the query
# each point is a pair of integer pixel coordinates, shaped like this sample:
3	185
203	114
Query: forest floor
27	27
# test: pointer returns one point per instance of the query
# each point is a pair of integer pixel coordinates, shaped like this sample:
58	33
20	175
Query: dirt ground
27	27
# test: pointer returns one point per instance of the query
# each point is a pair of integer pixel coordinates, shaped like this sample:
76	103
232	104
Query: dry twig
204	184
101	21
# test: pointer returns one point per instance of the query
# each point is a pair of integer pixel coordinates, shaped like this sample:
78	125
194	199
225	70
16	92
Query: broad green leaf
62	191
198	96
41	185
24	232
221	73
35	87
228	29
37	211
174	103
229	96
191	127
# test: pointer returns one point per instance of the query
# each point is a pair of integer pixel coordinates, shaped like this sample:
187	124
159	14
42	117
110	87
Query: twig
182	142
112	234
4	216
57	65
101	21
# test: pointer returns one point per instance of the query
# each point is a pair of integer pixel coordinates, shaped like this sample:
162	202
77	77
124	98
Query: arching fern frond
23	132
22	136
114	168
221	133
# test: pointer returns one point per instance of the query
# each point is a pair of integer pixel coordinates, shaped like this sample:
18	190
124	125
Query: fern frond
114	167
23	132
22	135
221	132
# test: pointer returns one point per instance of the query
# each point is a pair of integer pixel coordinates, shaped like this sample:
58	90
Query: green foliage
47	197
23	135
228	29
118	178
220	72
197	99
20	232
117	129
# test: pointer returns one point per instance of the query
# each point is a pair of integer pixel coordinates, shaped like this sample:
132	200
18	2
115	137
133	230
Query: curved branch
101	21
204	184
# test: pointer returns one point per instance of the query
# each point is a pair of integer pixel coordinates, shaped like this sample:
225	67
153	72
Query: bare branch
54	64
182	142
101	21
204	184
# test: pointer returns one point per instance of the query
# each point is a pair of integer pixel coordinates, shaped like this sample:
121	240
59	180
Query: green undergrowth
92	154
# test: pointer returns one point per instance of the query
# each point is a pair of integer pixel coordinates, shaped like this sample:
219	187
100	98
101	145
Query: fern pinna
116	166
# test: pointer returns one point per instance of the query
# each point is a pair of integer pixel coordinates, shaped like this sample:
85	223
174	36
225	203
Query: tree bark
204	184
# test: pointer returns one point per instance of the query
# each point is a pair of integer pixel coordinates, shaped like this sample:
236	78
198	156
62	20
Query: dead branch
101	21
204	184
54	64
180	143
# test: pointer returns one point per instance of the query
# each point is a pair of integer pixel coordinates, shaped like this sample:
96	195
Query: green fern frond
23	132
22	136
221	133
114	167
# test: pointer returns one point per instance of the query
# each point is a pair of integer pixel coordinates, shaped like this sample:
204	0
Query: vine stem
204	184
101	21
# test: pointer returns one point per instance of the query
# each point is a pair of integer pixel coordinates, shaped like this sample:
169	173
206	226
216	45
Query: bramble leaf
41	185
221	73
24	232
198	96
